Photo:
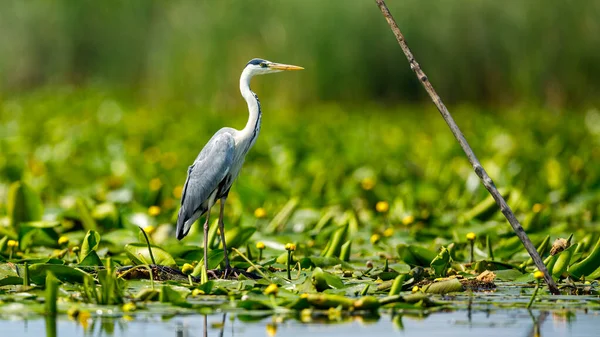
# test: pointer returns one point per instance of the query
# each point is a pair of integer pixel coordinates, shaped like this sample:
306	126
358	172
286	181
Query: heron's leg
222	230
206	241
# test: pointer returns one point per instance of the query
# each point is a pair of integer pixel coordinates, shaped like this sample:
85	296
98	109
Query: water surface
460	323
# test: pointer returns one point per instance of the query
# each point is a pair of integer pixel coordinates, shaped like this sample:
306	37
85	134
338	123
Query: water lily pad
139	254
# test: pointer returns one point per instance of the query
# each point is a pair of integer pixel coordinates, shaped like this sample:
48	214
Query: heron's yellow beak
279	66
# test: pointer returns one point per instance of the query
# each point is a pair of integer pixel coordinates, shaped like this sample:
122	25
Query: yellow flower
538	275
388	232
129	307
290	246
84	318
155	184
367	183
260	213
63	241
334	314
73	312
415	289
271	289
149	229
154	210
197	292
271	329
177	191
407	220
13	243
375	238
537	208
306	315
187	268
260	245
471	236
382	206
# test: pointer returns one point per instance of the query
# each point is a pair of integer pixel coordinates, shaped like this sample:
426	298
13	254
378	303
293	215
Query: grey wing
203	178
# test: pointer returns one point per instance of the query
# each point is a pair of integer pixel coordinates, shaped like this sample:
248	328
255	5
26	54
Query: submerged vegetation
337	211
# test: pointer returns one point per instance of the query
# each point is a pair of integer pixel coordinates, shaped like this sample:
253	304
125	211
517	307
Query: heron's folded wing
209	169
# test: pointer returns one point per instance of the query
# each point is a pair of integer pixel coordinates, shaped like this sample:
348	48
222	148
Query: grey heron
217	165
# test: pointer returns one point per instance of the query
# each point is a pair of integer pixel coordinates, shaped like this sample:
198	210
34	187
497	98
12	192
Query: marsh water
453	323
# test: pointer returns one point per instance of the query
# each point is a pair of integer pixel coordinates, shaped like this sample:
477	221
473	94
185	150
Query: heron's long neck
250	131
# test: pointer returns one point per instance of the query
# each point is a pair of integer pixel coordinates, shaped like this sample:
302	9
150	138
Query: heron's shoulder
222	141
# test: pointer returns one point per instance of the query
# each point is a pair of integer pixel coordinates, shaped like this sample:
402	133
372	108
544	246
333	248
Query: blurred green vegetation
485	52
90	143
103	105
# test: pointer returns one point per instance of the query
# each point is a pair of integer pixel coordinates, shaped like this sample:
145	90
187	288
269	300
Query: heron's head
261	67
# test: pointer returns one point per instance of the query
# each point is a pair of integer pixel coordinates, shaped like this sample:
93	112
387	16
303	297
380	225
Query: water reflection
50	326
451	323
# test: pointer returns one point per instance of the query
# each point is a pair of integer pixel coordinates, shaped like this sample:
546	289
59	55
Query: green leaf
415	255
138	253
215	257
323	280
484	265
24	205
91	260
11	281
237	236
37	234
320	261
588	265
186	252
91	241
444	287
508	274
170	295
37	273
562	262
441	262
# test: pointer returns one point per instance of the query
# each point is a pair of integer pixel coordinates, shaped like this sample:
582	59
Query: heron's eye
263	65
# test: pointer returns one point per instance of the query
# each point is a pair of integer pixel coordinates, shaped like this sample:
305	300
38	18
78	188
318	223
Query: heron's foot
233	273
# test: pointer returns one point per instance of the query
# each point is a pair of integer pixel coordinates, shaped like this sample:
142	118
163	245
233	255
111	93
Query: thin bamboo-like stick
485	179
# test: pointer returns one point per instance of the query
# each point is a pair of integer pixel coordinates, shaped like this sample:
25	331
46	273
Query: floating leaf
444	287
37	273
139	254
169	295
323	280
484	265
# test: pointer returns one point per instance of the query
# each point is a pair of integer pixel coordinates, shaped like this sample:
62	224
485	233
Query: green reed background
486	51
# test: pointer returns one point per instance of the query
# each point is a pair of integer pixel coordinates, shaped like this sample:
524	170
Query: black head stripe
256	62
